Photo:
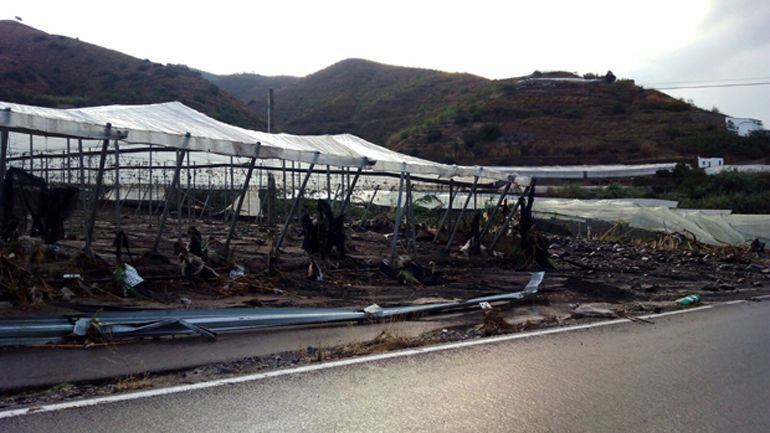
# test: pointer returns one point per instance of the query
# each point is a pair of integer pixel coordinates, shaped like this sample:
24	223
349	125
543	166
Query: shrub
433	135
489	132
461	119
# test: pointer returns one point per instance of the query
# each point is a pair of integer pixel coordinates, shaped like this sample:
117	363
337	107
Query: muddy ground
584	270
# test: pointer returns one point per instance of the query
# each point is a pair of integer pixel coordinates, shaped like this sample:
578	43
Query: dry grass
133	383
494	323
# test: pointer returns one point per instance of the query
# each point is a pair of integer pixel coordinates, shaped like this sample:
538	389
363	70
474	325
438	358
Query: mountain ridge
38	68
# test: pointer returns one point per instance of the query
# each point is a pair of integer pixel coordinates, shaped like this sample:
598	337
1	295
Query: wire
719	80
710	86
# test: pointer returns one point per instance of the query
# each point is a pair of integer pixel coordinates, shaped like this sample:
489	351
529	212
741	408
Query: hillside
56	71
358	96
550	118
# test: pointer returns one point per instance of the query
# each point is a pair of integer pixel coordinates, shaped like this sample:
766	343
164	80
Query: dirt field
585	270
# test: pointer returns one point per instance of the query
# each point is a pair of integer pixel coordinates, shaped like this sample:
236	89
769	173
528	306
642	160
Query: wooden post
170	192
97	192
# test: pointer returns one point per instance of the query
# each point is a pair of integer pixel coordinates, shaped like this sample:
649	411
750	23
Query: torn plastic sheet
118	325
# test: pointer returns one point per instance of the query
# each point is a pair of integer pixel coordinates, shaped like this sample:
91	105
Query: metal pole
193	197
371	199
346	202
269	109
97	191
188	195
232	183
394	243
69	163
169	193
117	185
328	183
494	211
293	186
31	159
462	211
3	152
82	168
295	204
149	184
410	225
504	225
238	207
283	170
452	196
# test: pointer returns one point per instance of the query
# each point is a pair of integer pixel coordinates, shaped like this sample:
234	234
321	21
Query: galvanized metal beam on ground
208	323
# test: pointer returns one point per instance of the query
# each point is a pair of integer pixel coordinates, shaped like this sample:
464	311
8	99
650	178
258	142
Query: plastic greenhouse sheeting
708	226
173	124
588	171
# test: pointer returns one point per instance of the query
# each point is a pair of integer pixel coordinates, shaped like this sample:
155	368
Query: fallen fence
120	325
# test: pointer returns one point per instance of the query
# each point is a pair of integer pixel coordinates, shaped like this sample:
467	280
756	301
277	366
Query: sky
655	41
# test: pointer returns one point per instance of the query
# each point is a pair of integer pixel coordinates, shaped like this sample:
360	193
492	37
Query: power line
704	82
710	86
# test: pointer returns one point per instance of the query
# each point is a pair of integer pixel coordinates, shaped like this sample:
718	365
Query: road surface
702	371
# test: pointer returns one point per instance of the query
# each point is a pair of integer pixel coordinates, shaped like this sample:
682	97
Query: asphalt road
40	367
698	372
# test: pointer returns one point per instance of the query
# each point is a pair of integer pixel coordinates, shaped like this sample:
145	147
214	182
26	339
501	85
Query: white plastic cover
588	171
173	124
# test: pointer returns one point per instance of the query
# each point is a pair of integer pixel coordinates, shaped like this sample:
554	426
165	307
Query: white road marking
332	364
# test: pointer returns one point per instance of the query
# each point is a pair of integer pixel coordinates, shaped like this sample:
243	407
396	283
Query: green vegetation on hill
450	117
56	71
462	118
747	193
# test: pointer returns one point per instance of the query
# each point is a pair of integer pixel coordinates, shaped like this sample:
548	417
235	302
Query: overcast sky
656	41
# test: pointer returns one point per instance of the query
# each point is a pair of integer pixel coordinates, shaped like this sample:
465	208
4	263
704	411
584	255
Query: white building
743	126
710	162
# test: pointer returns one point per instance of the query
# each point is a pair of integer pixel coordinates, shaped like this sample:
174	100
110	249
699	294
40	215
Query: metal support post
116	184
462	211
172	190
3	152
495	210
97	191
346	202
504	224
452	195
295	204
397	221
239	206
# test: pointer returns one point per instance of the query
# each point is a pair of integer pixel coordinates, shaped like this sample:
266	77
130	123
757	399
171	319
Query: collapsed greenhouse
161	207
142	141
